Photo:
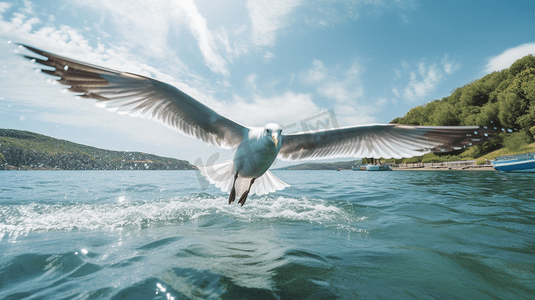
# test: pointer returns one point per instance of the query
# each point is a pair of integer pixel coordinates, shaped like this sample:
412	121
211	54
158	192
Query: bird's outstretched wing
379	140
145	97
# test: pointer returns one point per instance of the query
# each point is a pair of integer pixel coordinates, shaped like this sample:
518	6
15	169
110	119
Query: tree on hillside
517	102
445	116
522	64
487	115
475	94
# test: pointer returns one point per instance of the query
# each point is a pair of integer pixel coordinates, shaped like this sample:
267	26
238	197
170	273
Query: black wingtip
34	50
28	47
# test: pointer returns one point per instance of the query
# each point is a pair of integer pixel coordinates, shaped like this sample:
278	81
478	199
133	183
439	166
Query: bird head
273	133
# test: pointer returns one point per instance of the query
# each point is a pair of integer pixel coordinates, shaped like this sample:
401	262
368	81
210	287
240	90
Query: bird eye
268	130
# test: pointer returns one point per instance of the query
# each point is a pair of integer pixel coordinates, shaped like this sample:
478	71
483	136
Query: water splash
34	217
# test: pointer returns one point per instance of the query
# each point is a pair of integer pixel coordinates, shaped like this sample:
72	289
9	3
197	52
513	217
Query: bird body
256	147
252	159
257	153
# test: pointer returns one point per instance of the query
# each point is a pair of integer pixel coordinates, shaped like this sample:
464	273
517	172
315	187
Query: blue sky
254	61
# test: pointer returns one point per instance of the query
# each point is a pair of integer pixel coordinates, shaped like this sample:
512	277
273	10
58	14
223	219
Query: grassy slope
505	151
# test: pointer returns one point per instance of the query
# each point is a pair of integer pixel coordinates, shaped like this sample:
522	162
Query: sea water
331	235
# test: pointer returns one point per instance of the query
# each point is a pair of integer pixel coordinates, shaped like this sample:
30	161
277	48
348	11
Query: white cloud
449	66
341	86
281	109
251	81
418	88
508	57
205	38
71	42
28	7
334	90
316	74
381	101
143	23
344	91
268	56
147	25
423	82
4	6
267	17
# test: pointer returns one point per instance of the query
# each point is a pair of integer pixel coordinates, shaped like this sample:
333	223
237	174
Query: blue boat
520	163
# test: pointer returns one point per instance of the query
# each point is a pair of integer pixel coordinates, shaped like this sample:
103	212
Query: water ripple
332	235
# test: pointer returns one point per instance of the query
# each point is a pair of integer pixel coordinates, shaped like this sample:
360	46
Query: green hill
503	99
28	150
499	99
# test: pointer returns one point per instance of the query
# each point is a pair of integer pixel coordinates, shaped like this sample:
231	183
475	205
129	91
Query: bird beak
276	140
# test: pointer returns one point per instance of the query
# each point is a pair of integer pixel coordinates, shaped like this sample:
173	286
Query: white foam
19	219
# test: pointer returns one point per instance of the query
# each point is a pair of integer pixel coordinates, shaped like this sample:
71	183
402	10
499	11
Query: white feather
222	176
268	183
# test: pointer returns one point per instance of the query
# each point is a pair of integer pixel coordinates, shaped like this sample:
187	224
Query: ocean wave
35	217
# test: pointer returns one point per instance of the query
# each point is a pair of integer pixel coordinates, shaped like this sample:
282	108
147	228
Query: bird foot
243	198
233	191
232	196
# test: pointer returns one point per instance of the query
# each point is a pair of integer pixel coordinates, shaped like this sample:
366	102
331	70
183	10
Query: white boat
520	163
378	168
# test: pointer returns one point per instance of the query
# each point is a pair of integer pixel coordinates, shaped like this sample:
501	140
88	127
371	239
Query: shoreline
417	168
463	168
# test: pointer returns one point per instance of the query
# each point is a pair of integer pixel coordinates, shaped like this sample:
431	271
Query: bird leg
246	193
233	191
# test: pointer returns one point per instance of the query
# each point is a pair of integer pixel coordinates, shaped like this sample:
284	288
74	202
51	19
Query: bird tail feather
222	176
268	183
219	174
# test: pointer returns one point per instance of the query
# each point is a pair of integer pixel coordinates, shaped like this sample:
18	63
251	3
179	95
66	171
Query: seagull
256	148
